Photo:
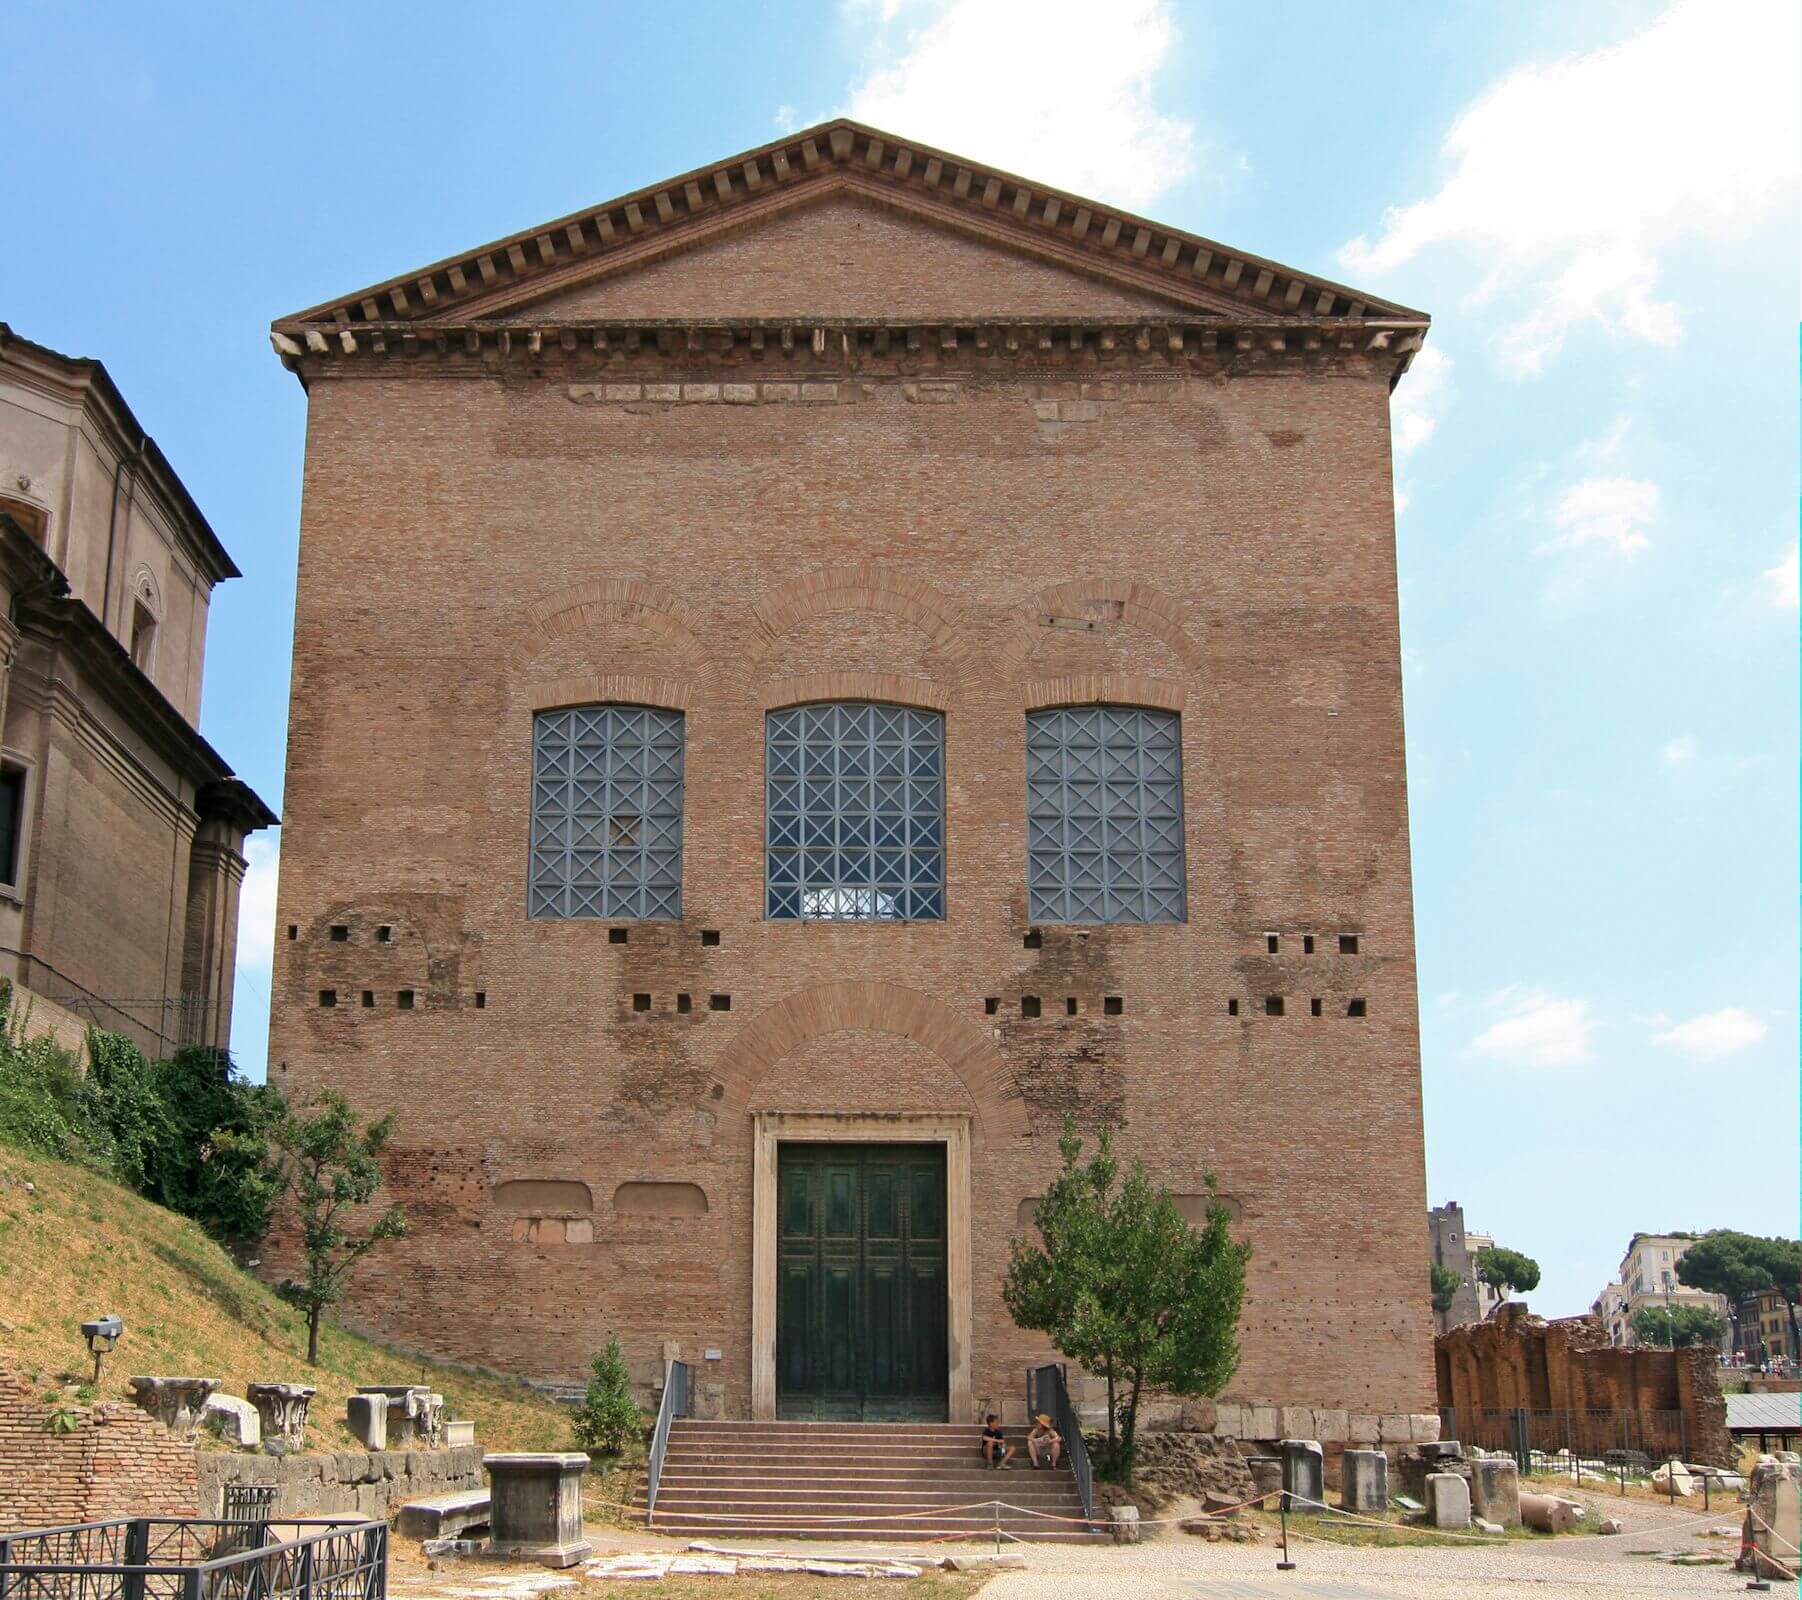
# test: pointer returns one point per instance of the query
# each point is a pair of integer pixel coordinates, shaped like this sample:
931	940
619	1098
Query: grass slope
75	1246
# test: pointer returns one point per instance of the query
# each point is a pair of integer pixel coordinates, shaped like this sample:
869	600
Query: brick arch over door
1135	605
881	1008
866	587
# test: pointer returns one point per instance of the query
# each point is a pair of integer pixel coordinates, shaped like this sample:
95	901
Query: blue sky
1597	453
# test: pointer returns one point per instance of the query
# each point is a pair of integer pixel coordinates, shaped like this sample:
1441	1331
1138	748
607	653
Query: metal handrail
1046	1391
674	1404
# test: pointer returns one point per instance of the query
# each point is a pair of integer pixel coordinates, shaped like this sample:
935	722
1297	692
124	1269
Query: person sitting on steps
996	1451
1044	1440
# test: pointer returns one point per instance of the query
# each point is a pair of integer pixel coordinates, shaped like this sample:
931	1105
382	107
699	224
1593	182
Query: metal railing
191	1558
1604	1435
676	1384
1046	1391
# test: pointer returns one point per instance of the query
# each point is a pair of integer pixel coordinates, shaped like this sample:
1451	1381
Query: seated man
996	1451
1044	1440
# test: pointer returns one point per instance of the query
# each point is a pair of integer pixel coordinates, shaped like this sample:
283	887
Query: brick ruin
1673	1397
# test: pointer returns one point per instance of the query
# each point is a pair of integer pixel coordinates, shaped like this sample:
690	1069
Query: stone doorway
860	1300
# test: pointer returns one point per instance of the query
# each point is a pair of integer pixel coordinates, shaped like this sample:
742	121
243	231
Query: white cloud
1569	177
1680	750
1414	408
256	902
784	119
1060	92
1780	581
1605	450
1536	1030
1608	511
1713	1034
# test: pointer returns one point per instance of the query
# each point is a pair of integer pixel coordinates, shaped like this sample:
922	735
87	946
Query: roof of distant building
1769	1413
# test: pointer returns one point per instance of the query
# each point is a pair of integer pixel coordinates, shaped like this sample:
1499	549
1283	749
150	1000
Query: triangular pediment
844	221
841	252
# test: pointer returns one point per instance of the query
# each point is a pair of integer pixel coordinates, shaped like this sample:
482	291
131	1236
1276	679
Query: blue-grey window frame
622	762
881	860
1106	840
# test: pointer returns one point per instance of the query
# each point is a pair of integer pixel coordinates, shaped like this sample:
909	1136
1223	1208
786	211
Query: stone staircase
854	1480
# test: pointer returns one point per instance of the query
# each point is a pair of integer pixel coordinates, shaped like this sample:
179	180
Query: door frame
773	1128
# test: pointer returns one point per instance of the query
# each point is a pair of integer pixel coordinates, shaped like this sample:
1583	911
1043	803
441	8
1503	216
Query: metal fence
676	1384
1611	1437
1046	1391
190	1558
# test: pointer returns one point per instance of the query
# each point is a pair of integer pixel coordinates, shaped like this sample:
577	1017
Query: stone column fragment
1304	1474
1364	1482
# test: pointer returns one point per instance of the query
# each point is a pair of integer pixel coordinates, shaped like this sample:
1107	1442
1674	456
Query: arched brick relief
889	686
883	1008
608	688
861	588
1101	602
1105	688
604	600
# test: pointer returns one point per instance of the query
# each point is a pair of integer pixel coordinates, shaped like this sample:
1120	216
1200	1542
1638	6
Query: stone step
900	1499
697	1425
912	1529
973	1478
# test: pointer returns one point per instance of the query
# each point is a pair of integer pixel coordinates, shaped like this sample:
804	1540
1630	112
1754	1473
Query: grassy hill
74	1245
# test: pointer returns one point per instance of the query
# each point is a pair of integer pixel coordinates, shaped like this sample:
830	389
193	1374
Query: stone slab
1448	1500
443	1516
1364	1482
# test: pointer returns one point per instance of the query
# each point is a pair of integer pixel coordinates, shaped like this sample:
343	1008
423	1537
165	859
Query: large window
854	813
606	813
1104	815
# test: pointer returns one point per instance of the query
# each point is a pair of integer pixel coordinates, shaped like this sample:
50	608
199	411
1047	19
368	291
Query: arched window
146	612
1104	815
854	813
606	813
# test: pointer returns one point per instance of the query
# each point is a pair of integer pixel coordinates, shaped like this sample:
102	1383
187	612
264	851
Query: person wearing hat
1046	1439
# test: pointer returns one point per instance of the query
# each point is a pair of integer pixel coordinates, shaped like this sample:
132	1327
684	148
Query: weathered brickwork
959	527
106	1460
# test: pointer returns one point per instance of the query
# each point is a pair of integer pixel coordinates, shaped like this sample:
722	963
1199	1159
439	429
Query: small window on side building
12	822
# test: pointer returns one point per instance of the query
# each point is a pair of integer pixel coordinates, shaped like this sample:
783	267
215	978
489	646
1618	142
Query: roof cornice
1208	277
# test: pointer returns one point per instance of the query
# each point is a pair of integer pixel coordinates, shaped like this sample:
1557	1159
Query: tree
221	1168
1678	1327
331	1164
1446	1284
1126	1288
1507	1271
608	1415
1738	1264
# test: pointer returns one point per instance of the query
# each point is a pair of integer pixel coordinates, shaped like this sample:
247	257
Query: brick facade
977	524
114	1462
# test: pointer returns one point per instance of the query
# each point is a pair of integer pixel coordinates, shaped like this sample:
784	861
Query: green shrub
608	1416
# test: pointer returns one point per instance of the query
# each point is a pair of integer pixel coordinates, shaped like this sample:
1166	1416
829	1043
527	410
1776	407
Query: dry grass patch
80	1245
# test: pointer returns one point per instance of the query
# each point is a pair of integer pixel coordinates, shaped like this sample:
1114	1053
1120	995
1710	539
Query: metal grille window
854	817
1104	815
606	812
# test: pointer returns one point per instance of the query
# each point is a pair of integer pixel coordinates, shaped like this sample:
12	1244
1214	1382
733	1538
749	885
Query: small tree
608	1415
331	1163
1678	1327
1446	1284
1128	1289
1507	1271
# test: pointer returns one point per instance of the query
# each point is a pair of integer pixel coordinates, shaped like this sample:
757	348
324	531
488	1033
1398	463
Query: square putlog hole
481	999
710	936
340	933
1307	944
1070	1006
1114	1005
719	1002
1271	941
1348	944
293	930
619	935
328	997
404	999
368	999
641	1002
1313	1008
1034	940
1029	1005
1273	1005
384	934
992	1005
1232	1008
1355	1008
685	1003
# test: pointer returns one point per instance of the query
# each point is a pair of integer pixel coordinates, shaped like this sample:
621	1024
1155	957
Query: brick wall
723	539
115	1462
1519	1360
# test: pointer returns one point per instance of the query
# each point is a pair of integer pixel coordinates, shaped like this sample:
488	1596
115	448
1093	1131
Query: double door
860	1282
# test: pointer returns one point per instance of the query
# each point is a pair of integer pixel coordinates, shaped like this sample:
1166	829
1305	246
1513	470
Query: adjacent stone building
121	829
806	675
1456	1249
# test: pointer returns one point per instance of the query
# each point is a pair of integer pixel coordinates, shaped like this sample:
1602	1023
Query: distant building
1648	1277
1453	1247
1610	1309
121	829
1763	1330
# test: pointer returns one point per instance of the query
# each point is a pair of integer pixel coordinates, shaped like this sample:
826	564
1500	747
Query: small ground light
101	1334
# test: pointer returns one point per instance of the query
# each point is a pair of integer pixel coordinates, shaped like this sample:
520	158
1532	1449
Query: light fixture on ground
101	1334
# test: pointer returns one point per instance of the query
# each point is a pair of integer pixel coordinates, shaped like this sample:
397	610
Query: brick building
121	829
804	675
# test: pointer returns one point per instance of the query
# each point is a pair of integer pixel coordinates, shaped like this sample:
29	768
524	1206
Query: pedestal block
535	1501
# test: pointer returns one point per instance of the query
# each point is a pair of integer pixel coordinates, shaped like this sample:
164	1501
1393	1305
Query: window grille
854	817
606	812
1104	815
